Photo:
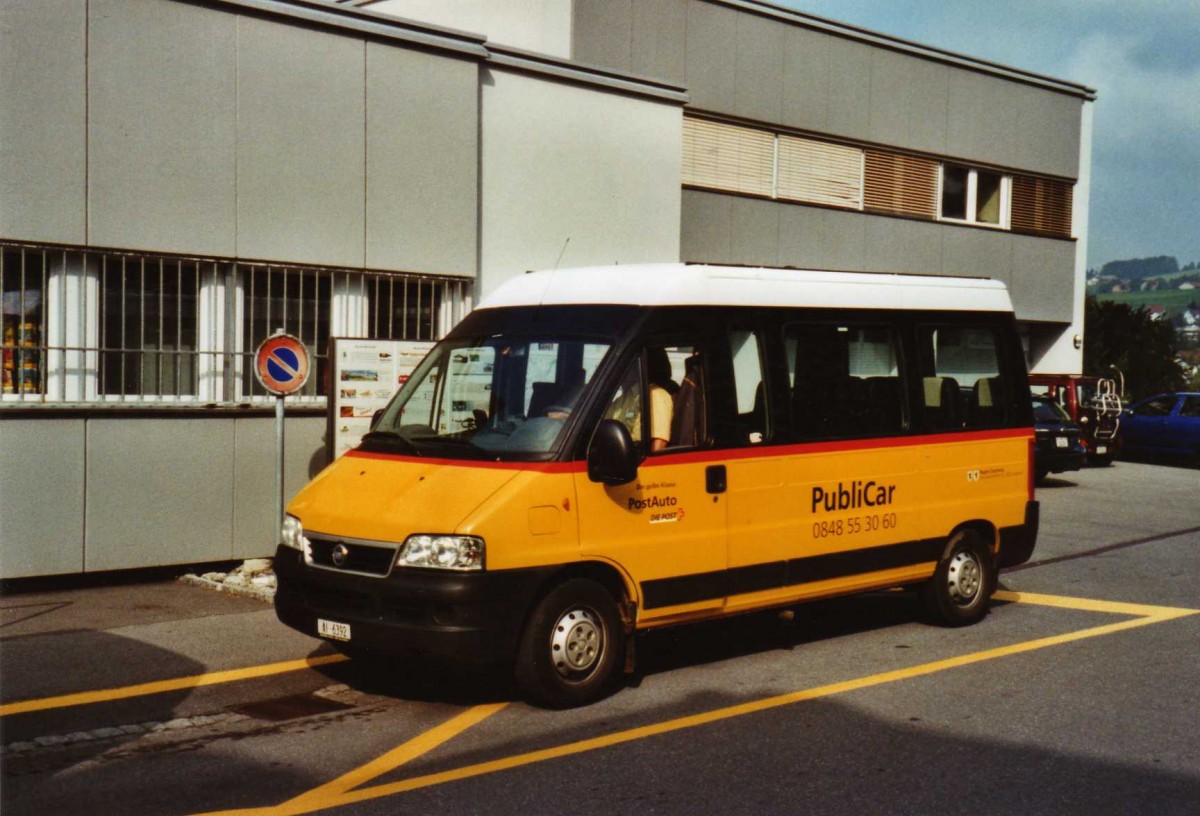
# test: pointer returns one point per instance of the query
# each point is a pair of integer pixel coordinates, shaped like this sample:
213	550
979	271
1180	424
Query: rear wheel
571	646
963	582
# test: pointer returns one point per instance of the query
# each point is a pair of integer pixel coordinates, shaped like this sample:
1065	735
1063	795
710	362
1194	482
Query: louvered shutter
904	185
1042	206
728	157
820	172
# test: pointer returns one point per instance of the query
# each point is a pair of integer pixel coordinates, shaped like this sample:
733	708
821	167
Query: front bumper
464	617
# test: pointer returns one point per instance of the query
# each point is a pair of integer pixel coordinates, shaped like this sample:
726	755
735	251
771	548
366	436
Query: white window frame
972	191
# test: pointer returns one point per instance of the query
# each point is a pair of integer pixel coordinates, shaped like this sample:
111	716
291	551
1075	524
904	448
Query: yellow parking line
1089	605
160	686
341	792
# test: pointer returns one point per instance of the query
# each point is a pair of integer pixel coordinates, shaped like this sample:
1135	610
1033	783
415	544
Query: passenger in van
626	406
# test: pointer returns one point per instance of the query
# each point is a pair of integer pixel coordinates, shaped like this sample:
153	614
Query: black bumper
1017	543
468	617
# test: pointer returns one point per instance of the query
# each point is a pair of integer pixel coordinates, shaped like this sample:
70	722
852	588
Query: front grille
366	559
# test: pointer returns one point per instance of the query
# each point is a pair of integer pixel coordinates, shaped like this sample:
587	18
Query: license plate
333	629
1061	442
1101	450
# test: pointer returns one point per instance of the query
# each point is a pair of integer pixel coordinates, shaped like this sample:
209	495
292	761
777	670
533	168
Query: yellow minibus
596	452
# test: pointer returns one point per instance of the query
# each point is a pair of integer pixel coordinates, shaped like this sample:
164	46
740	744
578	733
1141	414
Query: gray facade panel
758	93
43	170
706	228
158	492
806	102
301	144
422	161
601	33
908	102
982	124
712	57
801	237
900	245
849	89
41	497
253	520
161	127
1039	289
977	253
843	239
1048	126
755	231
659	45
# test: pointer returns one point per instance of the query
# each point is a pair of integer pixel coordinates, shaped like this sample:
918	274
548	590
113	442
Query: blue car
1165	425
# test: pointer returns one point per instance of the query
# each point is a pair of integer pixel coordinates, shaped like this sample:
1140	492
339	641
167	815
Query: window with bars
86	326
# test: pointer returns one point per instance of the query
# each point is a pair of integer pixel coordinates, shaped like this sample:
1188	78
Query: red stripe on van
731	454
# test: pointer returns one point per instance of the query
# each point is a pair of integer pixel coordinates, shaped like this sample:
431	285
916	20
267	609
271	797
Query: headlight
292	533
441	552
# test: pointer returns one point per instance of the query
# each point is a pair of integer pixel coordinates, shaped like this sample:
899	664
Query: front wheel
571	646
962	584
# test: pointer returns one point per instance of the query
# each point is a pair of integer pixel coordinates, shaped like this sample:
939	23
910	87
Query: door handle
714	479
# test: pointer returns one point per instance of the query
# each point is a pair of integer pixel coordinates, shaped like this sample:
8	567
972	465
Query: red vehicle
1093	402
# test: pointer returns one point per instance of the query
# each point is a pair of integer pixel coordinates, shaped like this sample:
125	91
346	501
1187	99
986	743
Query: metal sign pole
279	466
281	365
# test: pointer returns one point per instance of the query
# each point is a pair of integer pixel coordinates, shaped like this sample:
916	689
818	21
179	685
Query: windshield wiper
391	438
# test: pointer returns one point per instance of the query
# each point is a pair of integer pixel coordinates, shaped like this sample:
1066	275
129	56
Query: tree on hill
1130	340
1140	268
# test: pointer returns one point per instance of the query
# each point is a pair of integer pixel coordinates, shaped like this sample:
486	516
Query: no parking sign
281	364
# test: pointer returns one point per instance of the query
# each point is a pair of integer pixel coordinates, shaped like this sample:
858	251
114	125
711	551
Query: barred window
93	326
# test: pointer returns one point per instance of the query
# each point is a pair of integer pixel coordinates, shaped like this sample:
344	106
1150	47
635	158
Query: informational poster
366	373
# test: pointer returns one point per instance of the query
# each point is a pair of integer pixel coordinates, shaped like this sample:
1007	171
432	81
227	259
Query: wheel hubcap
576	642
965	578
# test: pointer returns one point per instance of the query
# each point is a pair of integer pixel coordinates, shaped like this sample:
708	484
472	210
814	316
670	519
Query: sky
1143	59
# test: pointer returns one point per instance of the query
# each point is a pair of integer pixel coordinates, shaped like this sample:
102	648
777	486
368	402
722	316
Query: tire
571	646
963	583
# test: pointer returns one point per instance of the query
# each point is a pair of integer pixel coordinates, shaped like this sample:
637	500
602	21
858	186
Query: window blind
904	185
820	172
1042	206
728	157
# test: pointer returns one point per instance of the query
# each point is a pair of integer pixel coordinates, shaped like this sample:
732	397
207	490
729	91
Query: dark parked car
1059	446
1166	425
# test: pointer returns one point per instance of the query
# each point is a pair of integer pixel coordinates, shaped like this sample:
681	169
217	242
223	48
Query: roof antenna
561	251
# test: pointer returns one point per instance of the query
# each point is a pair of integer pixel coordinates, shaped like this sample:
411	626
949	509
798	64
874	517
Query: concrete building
178	178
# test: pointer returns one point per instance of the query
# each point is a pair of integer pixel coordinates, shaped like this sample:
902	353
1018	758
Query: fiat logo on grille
340	552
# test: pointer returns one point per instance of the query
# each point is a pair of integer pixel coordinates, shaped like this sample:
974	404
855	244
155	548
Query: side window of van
961	378
749	386
845	380
675	392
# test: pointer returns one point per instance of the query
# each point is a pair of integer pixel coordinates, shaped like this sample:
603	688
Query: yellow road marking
342	792
1089	605
160	686
330	793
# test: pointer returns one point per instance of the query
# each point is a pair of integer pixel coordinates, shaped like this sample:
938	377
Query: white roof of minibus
678	284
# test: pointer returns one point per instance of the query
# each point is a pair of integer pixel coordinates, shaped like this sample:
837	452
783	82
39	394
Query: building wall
543	26
775	69
133	491
575	177
188	129
756	63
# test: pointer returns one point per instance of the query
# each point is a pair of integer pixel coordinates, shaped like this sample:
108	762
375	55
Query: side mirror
375	417
612	456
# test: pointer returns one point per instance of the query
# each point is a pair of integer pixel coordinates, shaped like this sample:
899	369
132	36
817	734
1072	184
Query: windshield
1045	410
498	397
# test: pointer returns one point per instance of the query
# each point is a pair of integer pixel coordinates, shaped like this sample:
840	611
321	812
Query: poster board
366	373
